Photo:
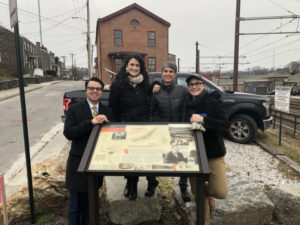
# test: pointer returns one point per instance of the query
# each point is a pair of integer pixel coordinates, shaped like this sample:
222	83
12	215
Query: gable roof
128	8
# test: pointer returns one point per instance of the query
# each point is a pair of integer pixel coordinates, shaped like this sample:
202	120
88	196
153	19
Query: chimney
38	45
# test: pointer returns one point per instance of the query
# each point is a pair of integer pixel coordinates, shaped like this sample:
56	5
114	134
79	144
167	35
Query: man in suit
80	120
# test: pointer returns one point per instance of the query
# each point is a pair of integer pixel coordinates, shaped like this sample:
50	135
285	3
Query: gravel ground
254	163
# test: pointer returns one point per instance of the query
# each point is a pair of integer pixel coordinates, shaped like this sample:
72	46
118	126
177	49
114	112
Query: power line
282	7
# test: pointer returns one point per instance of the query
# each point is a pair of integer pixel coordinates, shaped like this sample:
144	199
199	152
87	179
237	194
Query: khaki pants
216	186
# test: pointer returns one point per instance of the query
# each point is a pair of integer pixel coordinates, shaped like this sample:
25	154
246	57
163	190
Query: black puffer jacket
215	120
167	104
129	104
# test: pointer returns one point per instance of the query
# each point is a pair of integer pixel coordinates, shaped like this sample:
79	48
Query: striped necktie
95	113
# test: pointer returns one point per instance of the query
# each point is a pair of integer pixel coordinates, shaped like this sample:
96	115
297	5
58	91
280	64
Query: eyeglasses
94	88
196	84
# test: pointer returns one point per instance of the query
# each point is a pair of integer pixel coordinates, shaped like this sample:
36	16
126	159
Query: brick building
132	28
8	59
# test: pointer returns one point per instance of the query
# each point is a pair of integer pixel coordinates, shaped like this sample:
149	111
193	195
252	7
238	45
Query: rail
290	119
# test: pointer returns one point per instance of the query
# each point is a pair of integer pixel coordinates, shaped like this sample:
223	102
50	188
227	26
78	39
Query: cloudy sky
210	22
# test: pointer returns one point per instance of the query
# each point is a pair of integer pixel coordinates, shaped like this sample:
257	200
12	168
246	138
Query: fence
290	119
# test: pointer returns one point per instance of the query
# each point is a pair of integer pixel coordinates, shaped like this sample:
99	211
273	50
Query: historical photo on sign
168	147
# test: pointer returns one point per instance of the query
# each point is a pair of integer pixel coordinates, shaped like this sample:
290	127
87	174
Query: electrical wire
282	7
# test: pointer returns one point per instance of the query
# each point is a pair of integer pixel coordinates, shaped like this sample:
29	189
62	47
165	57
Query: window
118	64
151	64
134	22
151	38
118	37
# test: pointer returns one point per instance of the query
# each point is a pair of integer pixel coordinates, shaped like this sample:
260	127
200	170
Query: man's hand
100	119
156	88
196	118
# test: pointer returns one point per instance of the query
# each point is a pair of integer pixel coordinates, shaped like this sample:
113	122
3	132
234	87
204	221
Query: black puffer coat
129	104
167	104
215	120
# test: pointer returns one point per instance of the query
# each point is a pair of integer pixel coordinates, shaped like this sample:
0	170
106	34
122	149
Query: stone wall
4	85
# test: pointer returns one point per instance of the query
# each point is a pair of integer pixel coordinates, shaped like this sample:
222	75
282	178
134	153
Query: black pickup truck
246	112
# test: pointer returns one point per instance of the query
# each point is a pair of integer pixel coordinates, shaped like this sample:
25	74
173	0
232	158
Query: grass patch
6	78
43	218
289	144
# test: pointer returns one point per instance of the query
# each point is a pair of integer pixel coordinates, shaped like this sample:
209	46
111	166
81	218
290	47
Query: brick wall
134	38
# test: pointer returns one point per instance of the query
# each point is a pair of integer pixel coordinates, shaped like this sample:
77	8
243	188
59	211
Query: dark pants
183	182
78	208
150	179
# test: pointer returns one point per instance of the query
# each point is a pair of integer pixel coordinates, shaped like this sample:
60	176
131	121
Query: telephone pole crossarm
269	17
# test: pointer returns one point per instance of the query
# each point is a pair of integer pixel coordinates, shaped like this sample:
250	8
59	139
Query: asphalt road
44	110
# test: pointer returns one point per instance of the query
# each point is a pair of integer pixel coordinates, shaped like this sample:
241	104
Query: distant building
8	59
32	56
132	28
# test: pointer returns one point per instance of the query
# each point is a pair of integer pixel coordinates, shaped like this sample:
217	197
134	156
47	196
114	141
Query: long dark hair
122	76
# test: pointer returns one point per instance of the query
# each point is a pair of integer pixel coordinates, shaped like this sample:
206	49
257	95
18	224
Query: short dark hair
96	79
170	65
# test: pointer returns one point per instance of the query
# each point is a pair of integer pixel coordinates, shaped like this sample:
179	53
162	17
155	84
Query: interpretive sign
282	98
168	147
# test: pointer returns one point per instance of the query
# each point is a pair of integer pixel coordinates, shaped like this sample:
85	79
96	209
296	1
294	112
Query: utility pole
72	66
197	58
236	45
40	24
178	63
88	38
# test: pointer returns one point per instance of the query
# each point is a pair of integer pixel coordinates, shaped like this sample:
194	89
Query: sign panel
13	13
134	147
282	98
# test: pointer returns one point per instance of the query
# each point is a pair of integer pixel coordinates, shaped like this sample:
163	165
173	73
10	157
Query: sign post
13	12
282	103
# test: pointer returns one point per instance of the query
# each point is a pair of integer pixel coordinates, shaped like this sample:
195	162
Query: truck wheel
242	129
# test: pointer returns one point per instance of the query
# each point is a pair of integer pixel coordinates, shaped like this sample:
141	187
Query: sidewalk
13	92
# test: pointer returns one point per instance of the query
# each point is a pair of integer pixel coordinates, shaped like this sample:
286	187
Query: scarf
135	80
191	104
194	102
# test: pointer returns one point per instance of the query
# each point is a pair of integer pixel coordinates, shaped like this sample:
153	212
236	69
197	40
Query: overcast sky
210	22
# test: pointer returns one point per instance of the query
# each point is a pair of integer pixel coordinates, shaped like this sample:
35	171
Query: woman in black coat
206	108
129	100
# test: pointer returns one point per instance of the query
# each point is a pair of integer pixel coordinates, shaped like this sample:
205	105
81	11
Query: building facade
131	29
32	56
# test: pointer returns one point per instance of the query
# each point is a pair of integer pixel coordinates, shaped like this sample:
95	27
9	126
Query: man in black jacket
167	105
80	120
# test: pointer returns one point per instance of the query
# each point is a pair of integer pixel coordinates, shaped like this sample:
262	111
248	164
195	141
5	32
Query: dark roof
126	9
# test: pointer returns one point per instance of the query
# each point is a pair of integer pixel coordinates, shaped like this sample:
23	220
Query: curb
15	91
17	94
281	156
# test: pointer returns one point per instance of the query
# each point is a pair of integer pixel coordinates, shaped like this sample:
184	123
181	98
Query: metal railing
290	119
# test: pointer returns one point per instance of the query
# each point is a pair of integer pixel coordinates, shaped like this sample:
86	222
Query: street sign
13	13
282	98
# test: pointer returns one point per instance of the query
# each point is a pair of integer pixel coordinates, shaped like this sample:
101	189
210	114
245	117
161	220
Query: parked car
246	112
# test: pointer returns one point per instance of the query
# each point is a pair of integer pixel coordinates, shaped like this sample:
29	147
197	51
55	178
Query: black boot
185	194
127	188
151	189
133	190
